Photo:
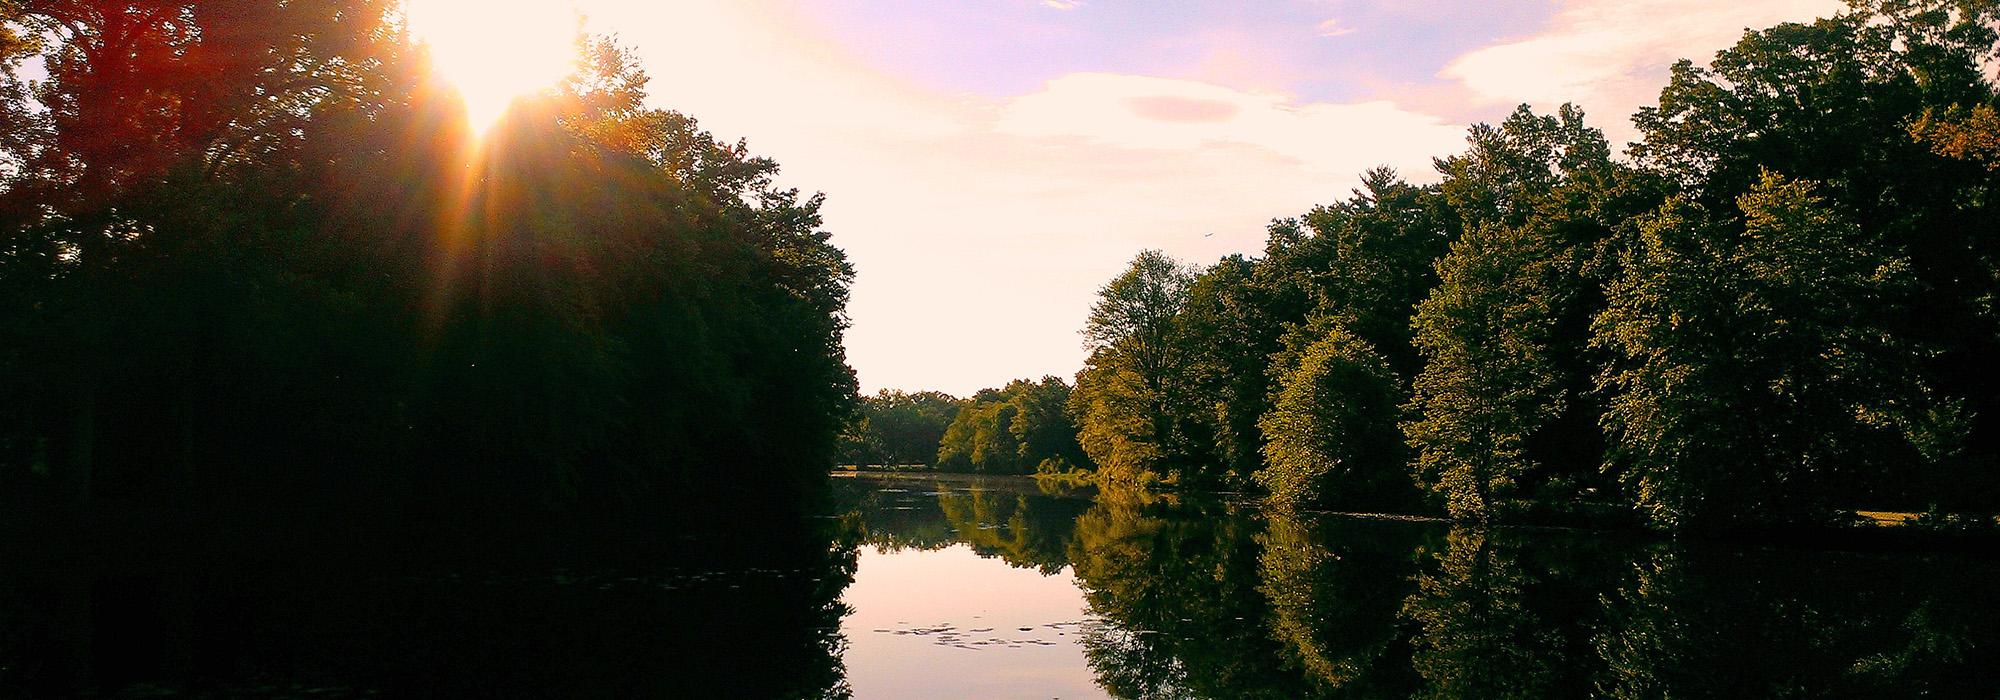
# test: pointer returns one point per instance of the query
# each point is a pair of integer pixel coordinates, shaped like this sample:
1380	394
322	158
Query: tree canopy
254	260
1778	308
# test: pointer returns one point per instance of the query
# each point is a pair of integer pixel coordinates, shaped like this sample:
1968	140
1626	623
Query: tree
1755	377
1020	428
1363	262
1333	438
1112	406
1224	332
1496	412
1372	257
1972	134
1122	396
981	438
1043	429
1835	102
142	106
257	264
895	427
1134	315
1488	382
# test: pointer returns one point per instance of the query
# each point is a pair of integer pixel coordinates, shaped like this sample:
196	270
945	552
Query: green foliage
1019	429
1754	376
1363	262
1370	260
1112	408
1502	334
980	439
1529	304
1225	331
1123	394
1333	438
1835	102
1133	318
1042	429
1488	382
1962	134
898	428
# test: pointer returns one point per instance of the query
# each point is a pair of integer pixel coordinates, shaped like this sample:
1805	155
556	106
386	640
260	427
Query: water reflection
1794	624
929	587
1334	594
1493	623
178	617
1205	598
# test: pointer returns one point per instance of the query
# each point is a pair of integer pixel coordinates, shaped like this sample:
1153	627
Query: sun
494	52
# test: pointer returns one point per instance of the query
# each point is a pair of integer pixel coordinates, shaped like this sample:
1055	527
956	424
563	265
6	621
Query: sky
989	165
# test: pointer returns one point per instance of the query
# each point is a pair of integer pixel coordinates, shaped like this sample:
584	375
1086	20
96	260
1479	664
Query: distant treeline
1022	428
251	260
1780	308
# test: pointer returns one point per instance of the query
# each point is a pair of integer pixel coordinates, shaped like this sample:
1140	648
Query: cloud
1152	113
1332	28
1062	4
1182	109
1611	56
981	227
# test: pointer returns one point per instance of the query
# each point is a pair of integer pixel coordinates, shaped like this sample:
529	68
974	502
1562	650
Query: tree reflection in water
760	620
1492	625
1335	591
1202	598
1799	624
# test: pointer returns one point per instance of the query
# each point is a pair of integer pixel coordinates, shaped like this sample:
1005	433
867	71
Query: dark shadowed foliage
293	367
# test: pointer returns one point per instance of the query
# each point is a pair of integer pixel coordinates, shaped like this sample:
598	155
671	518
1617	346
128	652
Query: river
968	587
991	588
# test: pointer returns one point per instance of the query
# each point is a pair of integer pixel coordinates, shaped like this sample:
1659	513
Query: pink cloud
1182	109
1611	56
1332	28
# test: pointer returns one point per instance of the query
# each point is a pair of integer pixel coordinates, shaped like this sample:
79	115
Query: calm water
972	588
990	588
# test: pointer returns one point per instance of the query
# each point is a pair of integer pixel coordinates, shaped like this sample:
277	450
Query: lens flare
494	52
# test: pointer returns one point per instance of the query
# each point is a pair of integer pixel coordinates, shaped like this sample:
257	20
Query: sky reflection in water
973	627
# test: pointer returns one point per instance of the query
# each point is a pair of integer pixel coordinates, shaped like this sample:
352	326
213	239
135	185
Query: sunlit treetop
494	53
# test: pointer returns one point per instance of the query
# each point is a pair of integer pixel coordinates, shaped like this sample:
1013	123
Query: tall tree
1115	423
1224	332
1372	257
1755	377
1043	429
1497	416
1834	102
1132	365
259	265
